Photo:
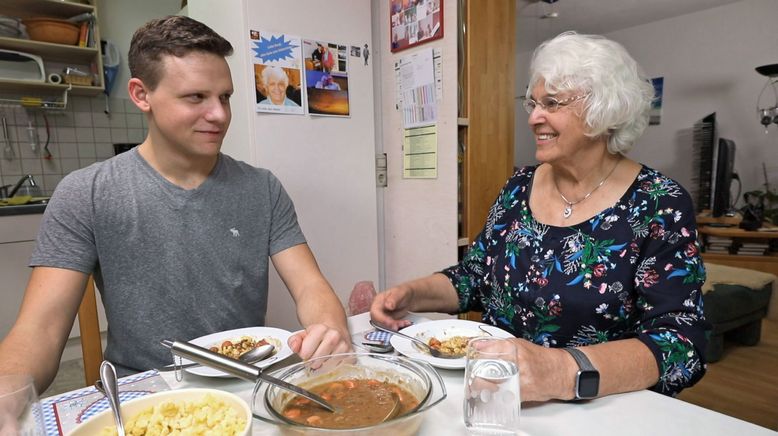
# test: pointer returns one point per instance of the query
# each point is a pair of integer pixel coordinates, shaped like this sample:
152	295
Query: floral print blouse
632	271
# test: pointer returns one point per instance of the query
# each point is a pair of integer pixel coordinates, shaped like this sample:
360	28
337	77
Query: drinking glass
20	409
492	403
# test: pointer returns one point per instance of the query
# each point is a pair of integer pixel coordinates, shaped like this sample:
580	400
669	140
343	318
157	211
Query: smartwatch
587	380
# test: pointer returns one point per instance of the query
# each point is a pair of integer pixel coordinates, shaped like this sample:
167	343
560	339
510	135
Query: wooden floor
744	383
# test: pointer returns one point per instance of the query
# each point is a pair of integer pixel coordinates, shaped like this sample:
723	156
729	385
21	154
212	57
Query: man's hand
319	340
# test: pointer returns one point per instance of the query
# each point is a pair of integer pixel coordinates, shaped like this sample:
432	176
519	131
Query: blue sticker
273	49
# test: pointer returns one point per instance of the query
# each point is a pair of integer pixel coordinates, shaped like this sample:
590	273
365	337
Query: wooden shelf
735	232
56	8
486	131
55	56
50	51
705	217
768	264
765	263
26	87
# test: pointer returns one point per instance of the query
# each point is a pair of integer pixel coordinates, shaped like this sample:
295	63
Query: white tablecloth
636	413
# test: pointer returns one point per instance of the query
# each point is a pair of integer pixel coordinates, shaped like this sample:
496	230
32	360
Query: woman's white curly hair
618	93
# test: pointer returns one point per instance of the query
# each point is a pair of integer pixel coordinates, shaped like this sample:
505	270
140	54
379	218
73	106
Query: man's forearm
321	306
28	352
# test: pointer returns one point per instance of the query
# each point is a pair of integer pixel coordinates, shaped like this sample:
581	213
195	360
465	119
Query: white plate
277	337
442	329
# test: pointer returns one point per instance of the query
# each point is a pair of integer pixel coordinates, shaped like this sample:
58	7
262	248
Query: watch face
588	384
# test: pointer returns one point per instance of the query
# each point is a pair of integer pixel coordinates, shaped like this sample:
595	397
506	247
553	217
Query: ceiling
595	16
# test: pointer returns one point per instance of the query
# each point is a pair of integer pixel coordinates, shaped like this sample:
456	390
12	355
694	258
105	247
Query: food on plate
208	415
453	346
359	403
236	347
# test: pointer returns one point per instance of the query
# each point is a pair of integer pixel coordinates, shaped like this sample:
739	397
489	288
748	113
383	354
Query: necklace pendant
568	211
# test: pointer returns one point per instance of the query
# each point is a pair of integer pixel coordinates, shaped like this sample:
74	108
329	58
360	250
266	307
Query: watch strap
580	358
587	380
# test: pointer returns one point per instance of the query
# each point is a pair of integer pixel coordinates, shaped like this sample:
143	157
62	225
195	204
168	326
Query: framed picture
414	22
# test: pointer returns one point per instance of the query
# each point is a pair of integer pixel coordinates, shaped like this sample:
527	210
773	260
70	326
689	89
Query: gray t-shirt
169	262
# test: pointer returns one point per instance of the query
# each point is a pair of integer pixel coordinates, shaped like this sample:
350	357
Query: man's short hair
173	35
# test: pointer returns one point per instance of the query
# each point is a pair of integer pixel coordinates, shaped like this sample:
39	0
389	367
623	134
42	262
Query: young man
177	234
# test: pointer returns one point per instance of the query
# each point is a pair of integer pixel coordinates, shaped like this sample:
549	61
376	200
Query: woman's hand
544	373
390	306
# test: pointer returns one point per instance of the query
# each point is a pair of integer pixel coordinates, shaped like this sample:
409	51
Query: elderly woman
590	259
275	82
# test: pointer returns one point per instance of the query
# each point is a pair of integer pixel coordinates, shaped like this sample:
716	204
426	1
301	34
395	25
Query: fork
433	352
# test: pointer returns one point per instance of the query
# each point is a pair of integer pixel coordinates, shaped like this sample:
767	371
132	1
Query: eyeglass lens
548	103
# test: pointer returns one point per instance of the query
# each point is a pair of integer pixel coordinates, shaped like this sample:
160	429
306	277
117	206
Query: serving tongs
237	368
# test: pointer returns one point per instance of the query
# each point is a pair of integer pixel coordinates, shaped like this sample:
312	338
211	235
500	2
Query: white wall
420	228
325	163
707	60
119	20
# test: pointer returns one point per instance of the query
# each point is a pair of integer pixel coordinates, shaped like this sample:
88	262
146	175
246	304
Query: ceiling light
768	114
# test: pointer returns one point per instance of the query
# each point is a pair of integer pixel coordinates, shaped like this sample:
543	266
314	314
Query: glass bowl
418	377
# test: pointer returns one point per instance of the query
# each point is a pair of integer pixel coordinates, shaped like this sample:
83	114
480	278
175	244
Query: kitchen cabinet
55	56
487	76
486	107
17	240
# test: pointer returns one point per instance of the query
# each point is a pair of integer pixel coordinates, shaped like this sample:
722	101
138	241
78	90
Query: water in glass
20	409
492	401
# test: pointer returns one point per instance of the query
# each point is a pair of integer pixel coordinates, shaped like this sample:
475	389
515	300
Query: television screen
723	203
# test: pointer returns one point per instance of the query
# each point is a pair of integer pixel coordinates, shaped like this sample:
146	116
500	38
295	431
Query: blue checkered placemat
63	412
377	335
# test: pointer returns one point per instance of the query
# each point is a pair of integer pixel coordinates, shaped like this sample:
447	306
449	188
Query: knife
237	368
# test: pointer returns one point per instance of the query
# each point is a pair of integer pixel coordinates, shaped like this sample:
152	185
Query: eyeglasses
549	104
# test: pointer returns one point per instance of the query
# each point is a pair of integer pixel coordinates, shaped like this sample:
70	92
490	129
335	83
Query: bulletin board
414	22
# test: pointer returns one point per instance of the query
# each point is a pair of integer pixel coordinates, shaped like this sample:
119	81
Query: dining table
635	413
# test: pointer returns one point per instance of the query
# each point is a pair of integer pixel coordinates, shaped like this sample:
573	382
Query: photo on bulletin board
278	80
326	78
414	22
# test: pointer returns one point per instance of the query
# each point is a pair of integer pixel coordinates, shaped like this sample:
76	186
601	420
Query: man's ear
138	92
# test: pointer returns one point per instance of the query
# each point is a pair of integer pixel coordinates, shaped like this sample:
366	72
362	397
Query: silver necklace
568	210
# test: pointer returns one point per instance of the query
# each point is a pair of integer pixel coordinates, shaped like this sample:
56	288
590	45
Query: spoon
483	329
110	389
252	356
395	408
377	346
432	351
257	354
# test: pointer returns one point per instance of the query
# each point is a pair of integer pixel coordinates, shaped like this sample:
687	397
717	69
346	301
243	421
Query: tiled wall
79	136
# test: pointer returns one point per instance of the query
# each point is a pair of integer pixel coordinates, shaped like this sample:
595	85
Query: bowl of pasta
185	411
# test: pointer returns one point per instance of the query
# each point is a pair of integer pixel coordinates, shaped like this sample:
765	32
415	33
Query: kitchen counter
22	209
